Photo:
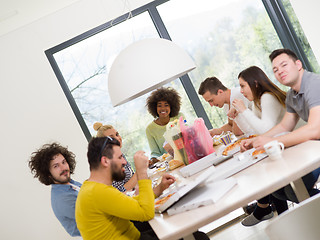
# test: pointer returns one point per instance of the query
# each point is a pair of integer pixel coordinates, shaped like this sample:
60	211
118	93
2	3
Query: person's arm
310	131
154	148
226	127
139	208
235	129
166	181
270	113
287	124
64	209
131	183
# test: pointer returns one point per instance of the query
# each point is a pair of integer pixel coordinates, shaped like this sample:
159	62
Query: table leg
300	190
189	237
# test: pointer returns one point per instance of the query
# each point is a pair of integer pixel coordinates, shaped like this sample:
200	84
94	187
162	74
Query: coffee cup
226	139
274	149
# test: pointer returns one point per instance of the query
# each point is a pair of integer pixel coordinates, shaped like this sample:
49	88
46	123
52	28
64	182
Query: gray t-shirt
308	97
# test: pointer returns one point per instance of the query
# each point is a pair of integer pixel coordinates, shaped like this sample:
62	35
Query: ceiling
17	13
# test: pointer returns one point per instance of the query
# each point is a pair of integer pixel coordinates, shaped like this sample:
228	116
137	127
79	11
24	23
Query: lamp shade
146	65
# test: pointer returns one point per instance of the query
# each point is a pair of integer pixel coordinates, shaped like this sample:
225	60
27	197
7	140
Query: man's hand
246	144
141	162
166	181
261	141
215	131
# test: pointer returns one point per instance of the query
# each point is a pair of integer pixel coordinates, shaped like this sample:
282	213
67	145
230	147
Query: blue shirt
63	201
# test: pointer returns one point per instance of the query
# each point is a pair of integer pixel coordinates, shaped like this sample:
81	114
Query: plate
166	200
165	157
234	147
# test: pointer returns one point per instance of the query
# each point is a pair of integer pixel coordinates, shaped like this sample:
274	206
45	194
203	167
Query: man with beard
53	164
103	212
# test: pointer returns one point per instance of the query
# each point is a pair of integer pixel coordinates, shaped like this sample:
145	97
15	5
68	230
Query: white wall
34	111
307	12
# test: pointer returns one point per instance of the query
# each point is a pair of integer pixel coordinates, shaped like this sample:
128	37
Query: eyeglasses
108	139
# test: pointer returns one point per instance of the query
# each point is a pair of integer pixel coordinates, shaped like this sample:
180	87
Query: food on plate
231	147
153	161
234	145
257	152
216	140
174	163
164	157
164	199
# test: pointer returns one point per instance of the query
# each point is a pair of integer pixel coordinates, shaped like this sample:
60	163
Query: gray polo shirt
308	97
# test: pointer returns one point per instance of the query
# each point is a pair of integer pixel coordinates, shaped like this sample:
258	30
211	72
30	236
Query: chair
302	222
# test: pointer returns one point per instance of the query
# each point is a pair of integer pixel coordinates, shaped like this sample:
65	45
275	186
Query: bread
257	152
174	163
235	144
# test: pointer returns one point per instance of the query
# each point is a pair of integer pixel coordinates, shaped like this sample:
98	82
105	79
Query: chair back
301	222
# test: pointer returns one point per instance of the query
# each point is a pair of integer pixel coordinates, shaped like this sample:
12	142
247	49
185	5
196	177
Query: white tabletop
253	183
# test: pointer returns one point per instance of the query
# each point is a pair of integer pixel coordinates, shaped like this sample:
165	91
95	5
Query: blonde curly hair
100	128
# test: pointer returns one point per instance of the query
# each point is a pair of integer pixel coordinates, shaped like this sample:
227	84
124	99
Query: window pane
302	38
223	37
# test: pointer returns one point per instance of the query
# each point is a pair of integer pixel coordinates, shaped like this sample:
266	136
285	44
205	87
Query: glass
223	37
301	36
85	66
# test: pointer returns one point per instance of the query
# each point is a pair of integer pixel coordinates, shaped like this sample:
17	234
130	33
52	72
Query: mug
274	149
226	139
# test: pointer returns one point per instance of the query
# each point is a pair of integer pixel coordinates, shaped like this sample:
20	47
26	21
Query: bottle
178	142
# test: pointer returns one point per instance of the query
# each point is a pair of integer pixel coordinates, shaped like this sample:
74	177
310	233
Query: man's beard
117	174
62	181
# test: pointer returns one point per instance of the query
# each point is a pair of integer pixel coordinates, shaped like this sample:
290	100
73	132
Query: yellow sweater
103	212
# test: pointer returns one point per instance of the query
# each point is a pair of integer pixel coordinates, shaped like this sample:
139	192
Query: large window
223	38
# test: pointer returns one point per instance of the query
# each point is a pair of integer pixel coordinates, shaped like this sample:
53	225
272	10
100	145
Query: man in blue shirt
53	164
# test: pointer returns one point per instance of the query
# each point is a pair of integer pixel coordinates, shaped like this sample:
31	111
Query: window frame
275	10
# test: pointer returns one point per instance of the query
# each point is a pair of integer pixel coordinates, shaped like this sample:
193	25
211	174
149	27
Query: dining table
253	182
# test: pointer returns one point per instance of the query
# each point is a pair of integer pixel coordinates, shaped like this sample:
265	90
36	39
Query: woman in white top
269	102
268	110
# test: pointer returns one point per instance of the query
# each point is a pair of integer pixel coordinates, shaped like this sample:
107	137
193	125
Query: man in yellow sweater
103	212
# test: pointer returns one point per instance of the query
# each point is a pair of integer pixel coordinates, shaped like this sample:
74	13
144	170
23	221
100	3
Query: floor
229	228
238	232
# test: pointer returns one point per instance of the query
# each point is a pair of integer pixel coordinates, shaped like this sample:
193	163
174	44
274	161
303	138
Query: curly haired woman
164	105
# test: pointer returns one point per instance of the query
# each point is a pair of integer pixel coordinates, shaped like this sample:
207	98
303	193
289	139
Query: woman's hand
239	105
232	114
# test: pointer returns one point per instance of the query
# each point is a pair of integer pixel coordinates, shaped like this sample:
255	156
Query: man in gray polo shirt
303	101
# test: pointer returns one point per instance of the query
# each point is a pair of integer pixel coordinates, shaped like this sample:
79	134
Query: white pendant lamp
144	66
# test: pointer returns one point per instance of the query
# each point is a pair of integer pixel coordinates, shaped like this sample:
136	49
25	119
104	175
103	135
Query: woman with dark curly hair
53	164
164	105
